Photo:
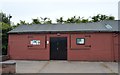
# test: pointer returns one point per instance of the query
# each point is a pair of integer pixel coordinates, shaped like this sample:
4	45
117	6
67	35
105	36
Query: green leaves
74	19
36	21
101	17
60	20
5	18
5	28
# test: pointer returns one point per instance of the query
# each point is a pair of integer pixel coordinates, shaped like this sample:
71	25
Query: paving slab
23	66
80	67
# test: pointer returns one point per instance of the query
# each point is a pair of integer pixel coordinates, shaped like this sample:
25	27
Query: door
58	48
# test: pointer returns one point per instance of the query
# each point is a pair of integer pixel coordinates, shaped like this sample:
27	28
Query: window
35	42
80	41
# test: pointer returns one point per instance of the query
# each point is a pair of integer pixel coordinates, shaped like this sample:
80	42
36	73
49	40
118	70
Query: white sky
28	9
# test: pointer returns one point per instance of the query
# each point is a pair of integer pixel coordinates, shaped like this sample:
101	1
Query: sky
29	9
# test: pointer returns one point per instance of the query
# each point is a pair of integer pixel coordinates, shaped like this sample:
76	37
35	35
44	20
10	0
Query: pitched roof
105	26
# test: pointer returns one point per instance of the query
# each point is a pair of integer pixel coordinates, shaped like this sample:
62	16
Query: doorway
58	48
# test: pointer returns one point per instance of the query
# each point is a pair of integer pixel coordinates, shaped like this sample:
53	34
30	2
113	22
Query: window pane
35	42
80	41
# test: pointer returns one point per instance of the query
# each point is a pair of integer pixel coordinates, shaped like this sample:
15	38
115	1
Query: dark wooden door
58	48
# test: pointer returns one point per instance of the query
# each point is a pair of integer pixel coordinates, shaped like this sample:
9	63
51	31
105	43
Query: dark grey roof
110	25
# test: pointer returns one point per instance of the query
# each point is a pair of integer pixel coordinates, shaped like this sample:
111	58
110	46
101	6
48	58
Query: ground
25	66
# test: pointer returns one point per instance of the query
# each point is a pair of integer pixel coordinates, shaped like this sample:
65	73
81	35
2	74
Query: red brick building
85	41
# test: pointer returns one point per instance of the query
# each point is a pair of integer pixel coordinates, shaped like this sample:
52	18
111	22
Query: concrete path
23	66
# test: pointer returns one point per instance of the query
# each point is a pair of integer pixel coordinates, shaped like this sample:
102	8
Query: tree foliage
41	21
4	18
46	20
36	21
96	18
5	26
60	20
5	29
74	19
101	17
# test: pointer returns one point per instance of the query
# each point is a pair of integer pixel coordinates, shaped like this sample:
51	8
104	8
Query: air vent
109	27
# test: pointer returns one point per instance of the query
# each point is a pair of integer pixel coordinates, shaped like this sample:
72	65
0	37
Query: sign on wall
35	42
80	41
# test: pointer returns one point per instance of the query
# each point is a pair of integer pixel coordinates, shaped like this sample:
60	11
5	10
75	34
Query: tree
23	22
74	19
78	19
60	20
45	20
71	20
101	17
111	18
36	21
95	18
5	26
84	20
4	18
42	21
5	29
